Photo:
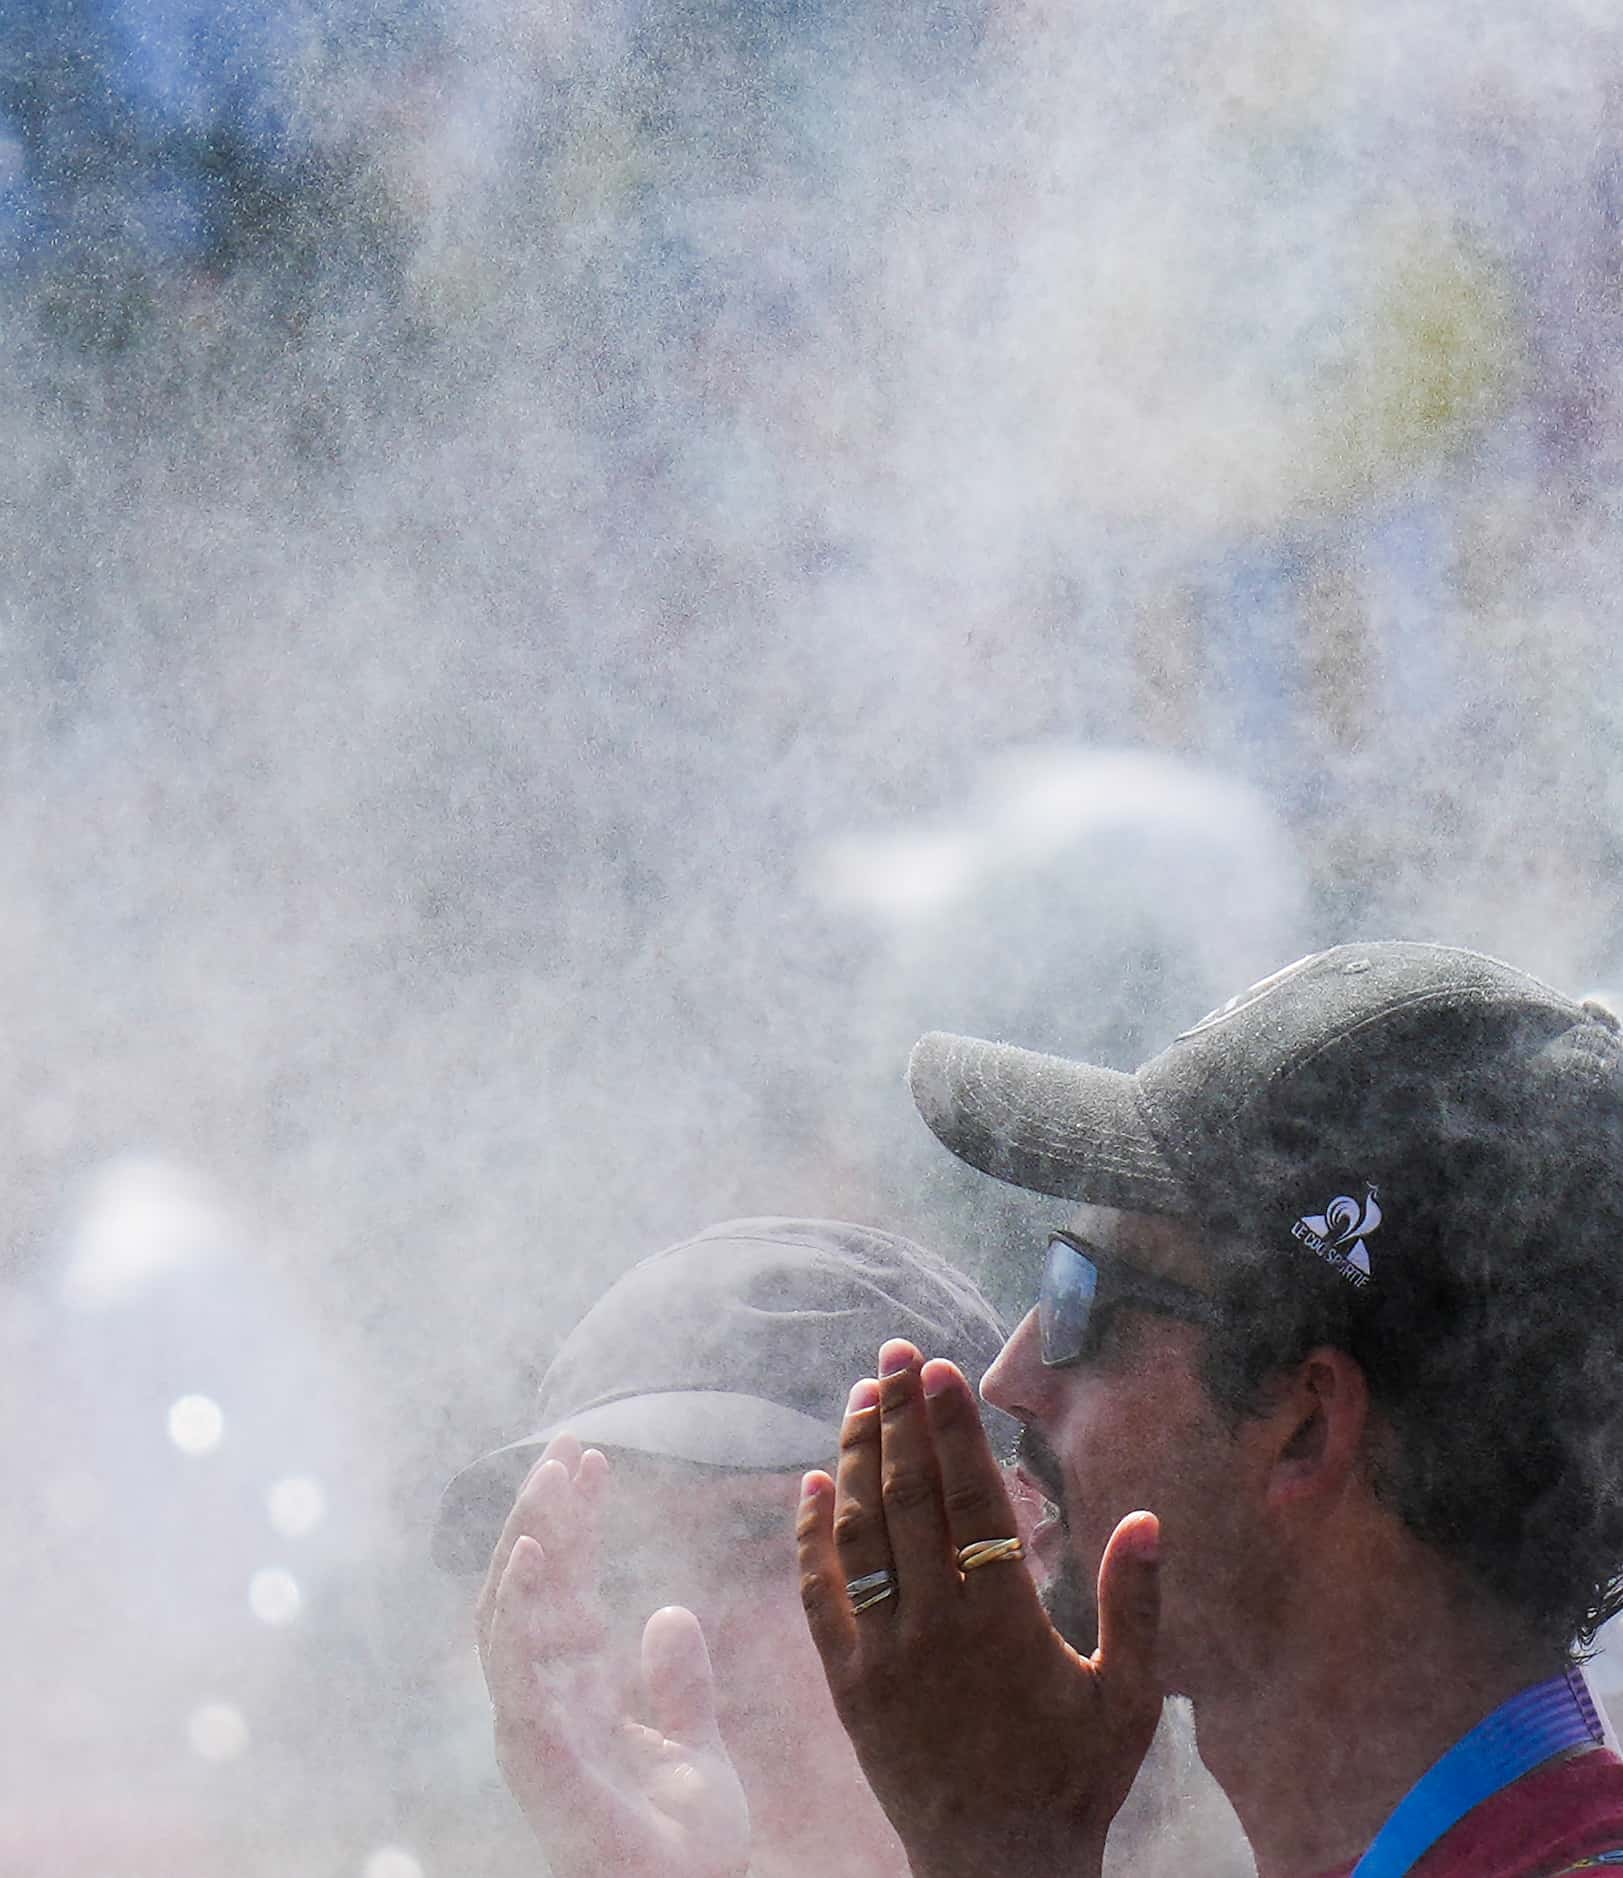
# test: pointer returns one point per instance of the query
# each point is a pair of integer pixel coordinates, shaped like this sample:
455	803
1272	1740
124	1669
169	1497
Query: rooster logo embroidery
1338	1233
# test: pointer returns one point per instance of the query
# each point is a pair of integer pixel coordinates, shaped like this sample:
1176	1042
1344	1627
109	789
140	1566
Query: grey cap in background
734	1349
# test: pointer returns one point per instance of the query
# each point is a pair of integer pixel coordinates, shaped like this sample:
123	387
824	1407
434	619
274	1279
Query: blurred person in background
182	1512
1076	898
657	1495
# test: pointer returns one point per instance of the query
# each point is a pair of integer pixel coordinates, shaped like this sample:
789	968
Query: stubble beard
1068	1595
1068	1598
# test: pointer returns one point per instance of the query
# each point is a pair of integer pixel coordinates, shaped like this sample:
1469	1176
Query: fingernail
938	1379
864	1395
895	1357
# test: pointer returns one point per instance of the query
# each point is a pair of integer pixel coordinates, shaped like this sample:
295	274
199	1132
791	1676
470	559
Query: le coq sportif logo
1337	1234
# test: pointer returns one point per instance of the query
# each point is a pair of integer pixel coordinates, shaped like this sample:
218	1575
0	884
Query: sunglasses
1082	1286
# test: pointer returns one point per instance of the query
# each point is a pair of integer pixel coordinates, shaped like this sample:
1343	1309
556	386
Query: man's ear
1316	1427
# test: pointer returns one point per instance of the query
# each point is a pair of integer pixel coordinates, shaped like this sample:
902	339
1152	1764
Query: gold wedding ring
870	1589
989	1552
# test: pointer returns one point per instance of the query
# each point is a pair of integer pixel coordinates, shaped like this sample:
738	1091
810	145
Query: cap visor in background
1068	1129
708	1428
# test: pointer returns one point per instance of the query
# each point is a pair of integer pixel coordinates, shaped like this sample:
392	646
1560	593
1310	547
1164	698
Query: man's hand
607	1795
991	1744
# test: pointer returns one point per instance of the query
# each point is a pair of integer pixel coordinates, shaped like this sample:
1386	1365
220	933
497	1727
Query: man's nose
1017	1381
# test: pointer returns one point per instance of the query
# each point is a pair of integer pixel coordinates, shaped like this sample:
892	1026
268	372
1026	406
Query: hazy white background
571	577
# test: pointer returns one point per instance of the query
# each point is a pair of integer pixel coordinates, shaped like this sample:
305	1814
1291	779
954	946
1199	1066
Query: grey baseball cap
734	1349
1399	1112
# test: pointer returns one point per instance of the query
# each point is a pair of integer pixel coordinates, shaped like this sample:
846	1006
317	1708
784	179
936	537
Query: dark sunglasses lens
1065	1303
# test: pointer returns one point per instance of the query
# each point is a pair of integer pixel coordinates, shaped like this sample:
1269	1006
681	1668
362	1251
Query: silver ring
870	1589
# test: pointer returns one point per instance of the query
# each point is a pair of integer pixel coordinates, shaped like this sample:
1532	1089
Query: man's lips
1048	1529
1043	1491
1037	1465
1038	1470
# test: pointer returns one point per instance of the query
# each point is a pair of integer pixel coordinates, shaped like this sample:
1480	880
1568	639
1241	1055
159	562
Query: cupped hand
606	1791
991	1744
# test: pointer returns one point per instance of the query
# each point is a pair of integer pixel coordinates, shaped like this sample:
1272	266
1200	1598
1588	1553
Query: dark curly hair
1499	1373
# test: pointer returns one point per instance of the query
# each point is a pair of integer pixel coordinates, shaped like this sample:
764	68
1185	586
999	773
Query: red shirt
1538	1827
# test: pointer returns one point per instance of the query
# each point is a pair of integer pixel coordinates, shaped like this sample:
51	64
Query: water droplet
274	1596
217	1732
296	1505
196	1424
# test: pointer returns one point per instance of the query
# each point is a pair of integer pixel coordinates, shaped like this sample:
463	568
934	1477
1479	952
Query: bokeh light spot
196	1425
217	1732
392	1861
296	1505
274	1596
142	1219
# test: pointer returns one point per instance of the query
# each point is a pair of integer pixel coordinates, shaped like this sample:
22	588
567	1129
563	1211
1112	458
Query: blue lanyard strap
1518	1736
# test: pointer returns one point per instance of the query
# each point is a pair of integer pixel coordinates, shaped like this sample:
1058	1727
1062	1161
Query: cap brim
708	1428
1068	1129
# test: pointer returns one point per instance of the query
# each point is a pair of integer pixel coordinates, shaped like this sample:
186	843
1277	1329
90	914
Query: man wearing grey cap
1326	1380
